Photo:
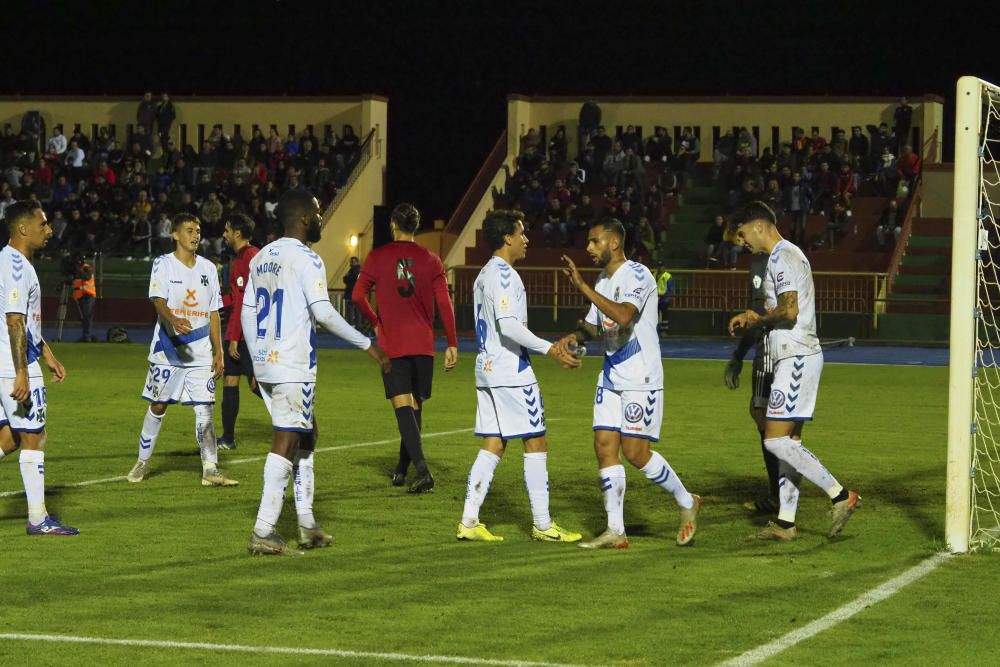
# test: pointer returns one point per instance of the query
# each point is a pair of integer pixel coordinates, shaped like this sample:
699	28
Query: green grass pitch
166	559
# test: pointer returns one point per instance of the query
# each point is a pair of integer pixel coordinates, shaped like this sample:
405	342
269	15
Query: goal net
973	505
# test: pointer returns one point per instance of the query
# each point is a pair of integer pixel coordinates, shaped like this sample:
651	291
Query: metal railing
904	237
364	157
694	290
474	193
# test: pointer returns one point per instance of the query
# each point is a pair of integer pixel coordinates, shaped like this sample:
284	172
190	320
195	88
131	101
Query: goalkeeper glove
732	374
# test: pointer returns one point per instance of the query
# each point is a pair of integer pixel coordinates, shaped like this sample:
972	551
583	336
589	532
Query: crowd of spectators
117	195
813	175
622	177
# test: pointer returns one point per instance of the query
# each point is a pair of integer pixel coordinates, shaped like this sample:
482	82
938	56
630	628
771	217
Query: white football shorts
794	389
510	412
188	385
635	413
290	405
27	417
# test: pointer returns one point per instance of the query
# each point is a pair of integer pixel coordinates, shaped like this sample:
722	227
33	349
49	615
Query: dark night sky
447	67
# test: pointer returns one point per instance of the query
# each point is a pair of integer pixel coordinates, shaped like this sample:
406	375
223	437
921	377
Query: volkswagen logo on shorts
211	385
633	412
777	399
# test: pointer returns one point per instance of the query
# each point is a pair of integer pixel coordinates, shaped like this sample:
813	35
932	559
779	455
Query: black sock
409	431
404	459
784	524
843	495
230	409
771	463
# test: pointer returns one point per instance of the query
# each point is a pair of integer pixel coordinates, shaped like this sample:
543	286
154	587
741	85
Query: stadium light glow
353	241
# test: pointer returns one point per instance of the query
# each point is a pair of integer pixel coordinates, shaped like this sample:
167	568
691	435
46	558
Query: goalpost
973	494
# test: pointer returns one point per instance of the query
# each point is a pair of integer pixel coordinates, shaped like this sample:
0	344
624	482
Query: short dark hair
181	218
241	223
406	217
292	206
755	210
500	223
612	225
20	210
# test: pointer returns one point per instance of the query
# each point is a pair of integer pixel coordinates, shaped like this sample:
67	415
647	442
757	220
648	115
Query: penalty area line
874	596
284	650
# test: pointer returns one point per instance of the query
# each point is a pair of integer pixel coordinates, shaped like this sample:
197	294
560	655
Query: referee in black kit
763	375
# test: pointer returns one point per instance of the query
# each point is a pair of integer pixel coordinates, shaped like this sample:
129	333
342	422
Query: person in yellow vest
664	291
85	296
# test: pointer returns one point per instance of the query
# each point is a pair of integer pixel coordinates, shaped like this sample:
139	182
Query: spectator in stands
165	115
886	173
144	139
164	233
817	141
746	144
275	144
881	138
797	202
774	197
584	214
529	161
59	224
908	167
533	200
902	120
713	241
145	115
824	187
556	228
56	145
211	211
658	148
602	146
575	176
858	149
630	139
644	249
632	172
530	140
349	146
847	185
838	146
731	248
890	224
837	223
558	150
688	152
614	163
653	204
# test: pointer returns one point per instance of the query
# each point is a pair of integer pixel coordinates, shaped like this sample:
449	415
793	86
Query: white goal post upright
966	369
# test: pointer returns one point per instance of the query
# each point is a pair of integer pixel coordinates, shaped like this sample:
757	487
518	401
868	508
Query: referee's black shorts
241	366
412	374
763	375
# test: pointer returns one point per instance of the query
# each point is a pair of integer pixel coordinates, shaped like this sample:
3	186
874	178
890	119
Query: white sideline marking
105	480
242	648
874	596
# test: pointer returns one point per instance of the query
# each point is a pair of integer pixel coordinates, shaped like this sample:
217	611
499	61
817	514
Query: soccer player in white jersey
628	406
286	296
22	387
509	401
185	355
798	364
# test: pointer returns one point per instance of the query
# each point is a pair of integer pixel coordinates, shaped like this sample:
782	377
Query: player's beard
314	232
604	258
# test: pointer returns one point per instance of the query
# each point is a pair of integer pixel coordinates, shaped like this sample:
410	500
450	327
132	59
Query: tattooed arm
19	354
785	313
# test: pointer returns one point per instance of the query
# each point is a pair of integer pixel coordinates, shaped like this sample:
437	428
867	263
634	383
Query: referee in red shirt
239	229
407	279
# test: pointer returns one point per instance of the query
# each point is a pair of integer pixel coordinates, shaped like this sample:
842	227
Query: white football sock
789	482
2	453
659	472
804	462
277	470
304	477
32	463
204	433
536	479
150	431
478	485
612	481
